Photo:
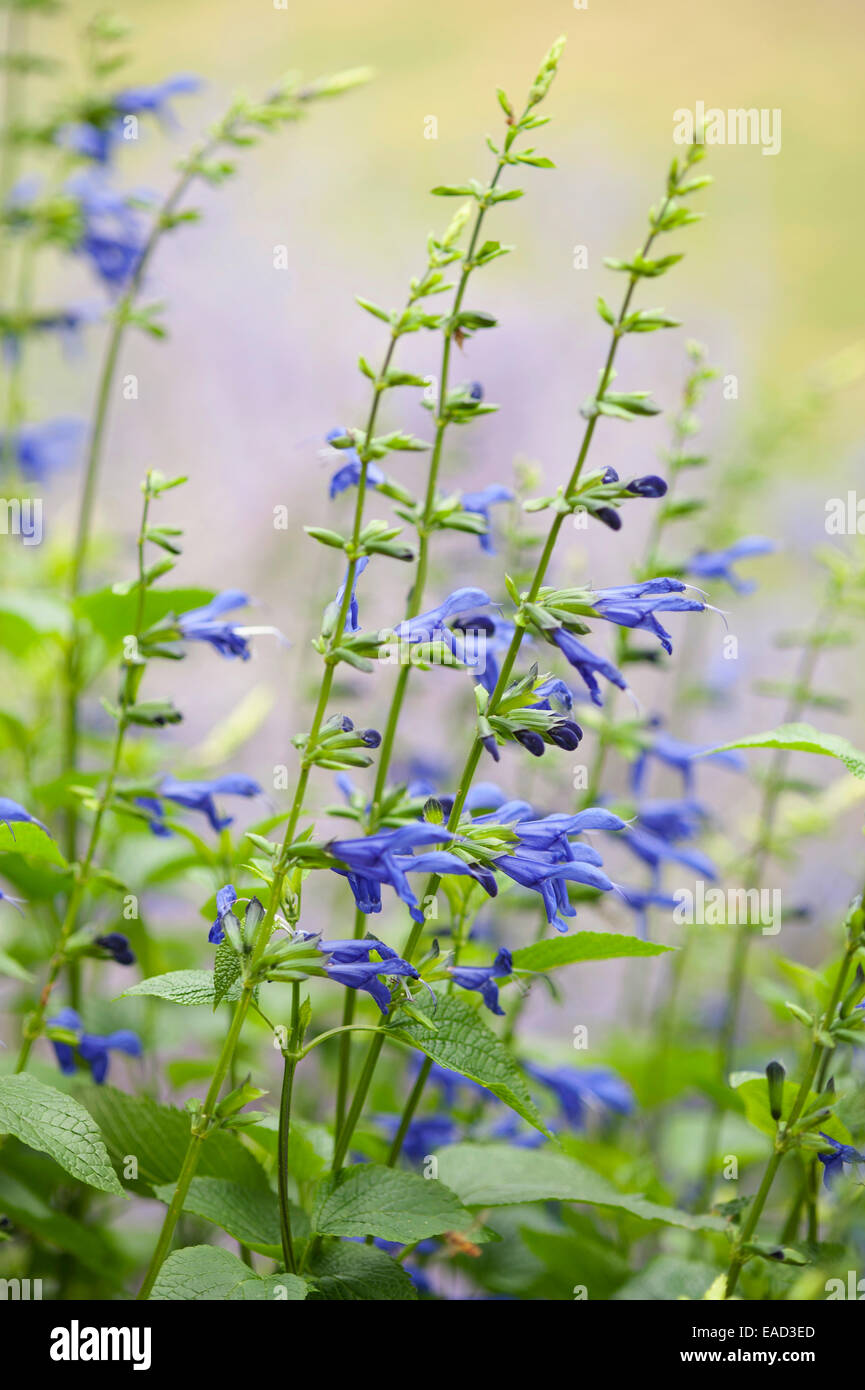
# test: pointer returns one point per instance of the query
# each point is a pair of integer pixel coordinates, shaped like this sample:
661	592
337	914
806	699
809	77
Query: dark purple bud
650	486
476	391
491	746
117	946
610	517
485	877
371	738
610	476
531	740
567	734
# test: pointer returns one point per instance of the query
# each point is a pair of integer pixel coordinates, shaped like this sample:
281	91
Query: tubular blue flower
547	874
680	756
655	850
352	623
365	975
17	903
92	1048
196	796
117	946
349	474
586	663
114	235
11	812
833	1163
433	625
373	860
483	978
673	819
225	900
579	1091
554	692
635	606
355	949
490	636
480	502
43	449
718	564
206	625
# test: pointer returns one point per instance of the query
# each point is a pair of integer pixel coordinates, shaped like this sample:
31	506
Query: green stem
818	1050
289	1068
408	1113
507	666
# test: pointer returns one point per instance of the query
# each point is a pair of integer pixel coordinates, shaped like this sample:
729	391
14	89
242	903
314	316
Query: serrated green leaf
753	1090
369	1199
23	837
490	1175
351	1273
57	1124
206	1272
189	987
226	971
251	1215
462	1042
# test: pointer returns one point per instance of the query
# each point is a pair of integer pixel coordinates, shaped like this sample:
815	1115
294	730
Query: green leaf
667	1279
157	1136
181	987
33	1213
10	966
803	738
23	837
113	615
345	1273
205	1272
226	971
751	1086
56	1124
26	619
462	1042
491	1175
251	1215
371	1200
583	946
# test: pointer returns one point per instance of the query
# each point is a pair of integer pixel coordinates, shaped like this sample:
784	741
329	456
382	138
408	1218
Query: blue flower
654	837
639	901
225	900
46	448
382	858
481	502
579	1091
117	946
483	978
351	623
718	564
587	664
66	323
97	138
349	474
354	949
10	811
491	635
366	974
207	625
92	1048
423	1135
635	606
547	874
833	1163
198	796
433	625
113	237
676	754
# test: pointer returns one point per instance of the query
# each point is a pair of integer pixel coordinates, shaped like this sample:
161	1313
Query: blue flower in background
680	756
423	1135
833	1163
44	449
655	840
66	323
97	139
481	502
349	474
92	1048
225	900
587	664
581	1091
718	564
117	946
11	811
635	606
639	901
113	236
197	796
517	1132
483	978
